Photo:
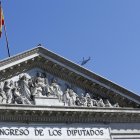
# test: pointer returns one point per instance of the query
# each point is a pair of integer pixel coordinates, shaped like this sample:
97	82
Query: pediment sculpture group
25	90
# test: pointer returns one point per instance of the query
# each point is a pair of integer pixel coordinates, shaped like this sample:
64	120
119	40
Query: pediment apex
40	56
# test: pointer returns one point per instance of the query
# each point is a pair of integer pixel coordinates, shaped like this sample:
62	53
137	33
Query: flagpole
7	44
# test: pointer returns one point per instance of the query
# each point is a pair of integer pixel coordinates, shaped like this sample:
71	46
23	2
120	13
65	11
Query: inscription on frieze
54	132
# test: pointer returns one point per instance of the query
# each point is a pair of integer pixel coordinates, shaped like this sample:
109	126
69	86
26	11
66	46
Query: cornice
26	114
18	56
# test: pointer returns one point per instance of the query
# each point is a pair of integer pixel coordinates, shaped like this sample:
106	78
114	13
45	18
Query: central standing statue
24	87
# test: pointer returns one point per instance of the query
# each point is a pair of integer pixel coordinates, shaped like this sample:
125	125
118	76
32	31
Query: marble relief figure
8	85
41	85
26	89
18	98
55	89
3	98
89	102
66	97
69	97
38	85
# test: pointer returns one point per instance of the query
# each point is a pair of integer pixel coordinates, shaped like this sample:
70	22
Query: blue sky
106	30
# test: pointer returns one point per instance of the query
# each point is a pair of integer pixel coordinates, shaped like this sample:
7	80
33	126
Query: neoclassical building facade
45	96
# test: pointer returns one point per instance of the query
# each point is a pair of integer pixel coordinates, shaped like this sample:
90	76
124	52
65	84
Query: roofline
43	50
25	53
91	74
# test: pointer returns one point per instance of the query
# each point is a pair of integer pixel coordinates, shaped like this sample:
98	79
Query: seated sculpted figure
81	100
94	102
41	86
78	102
18	98
100	103
69	97
55	90
89	100
107	103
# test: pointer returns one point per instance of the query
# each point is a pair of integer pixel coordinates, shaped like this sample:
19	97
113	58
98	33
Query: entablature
54	114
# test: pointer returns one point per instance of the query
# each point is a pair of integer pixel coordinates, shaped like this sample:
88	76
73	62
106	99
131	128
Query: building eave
59	60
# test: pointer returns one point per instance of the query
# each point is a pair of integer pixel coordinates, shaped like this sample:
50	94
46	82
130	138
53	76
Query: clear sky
106	30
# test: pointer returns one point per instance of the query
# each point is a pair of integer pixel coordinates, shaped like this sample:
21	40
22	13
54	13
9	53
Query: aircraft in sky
84	61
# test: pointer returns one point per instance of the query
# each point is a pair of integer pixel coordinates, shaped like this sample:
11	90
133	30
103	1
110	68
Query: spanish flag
1	19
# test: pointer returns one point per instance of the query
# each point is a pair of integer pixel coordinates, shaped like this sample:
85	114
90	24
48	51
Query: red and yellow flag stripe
1	20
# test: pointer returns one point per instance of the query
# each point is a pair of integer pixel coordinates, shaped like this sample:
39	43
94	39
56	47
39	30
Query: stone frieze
40	90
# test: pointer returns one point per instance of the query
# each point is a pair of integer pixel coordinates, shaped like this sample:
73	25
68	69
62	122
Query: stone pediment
40	77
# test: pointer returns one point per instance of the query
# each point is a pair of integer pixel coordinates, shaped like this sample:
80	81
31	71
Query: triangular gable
69	76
